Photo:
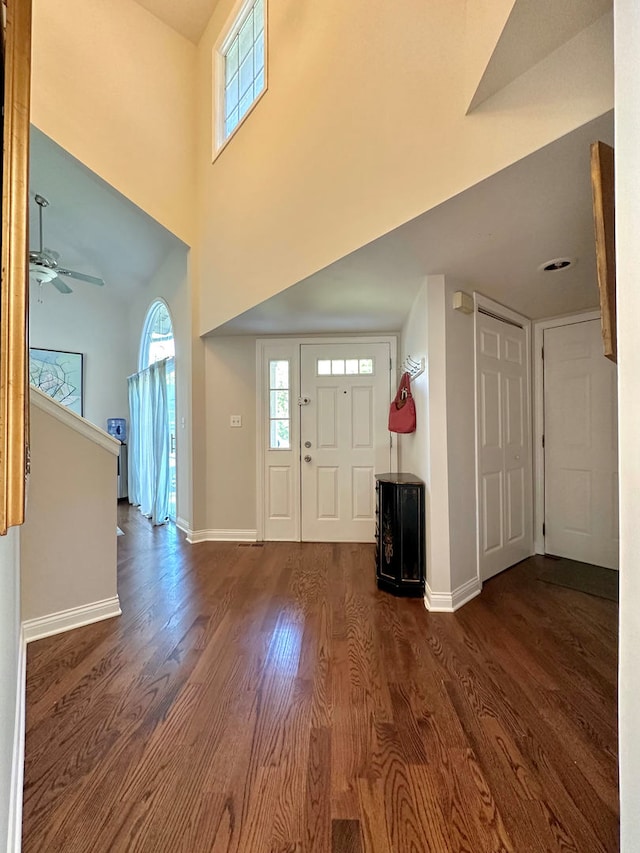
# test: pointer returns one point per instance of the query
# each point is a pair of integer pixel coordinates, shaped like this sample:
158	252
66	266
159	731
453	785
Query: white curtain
149	442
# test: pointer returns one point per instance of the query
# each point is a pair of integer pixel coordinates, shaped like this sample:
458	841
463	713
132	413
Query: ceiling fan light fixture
41	273
44	263
556	264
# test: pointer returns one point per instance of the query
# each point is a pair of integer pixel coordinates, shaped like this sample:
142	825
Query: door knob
307	458
307	444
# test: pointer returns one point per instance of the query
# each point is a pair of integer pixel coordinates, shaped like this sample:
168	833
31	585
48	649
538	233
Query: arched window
157	343
157	335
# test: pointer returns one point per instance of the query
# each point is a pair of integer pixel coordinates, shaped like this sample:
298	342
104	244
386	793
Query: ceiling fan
44	266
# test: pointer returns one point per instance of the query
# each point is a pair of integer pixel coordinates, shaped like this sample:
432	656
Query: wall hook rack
412	367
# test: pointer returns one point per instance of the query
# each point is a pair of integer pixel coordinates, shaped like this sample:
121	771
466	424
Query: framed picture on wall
58	374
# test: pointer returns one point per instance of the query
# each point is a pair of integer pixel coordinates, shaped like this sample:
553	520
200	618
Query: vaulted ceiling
93	228
534	29
187	17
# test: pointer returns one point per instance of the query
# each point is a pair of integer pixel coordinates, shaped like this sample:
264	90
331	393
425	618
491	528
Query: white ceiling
491	238
93	227
187	17
534	29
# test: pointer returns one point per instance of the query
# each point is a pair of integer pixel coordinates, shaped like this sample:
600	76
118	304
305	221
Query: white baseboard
183	524
448	602
66	620
14	837
195	536
437	602
466	591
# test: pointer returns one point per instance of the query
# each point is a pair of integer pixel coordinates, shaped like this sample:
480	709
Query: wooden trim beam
603	187
14	398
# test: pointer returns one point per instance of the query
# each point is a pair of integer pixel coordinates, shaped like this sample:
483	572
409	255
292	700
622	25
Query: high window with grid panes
240	68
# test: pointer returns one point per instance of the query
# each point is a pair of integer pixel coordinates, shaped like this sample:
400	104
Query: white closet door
504	445
581	446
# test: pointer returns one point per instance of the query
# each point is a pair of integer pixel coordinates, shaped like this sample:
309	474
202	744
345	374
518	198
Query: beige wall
442	450
425	453
362	128
413	449
115	87
628	294
199	437
230	368
461	440
68	541
438	545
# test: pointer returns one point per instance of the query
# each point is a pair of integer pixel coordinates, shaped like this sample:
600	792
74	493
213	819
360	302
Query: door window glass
344	366
279	405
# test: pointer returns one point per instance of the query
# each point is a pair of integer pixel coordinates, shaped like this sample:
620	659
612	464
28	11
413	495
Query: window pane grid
279	405
157	337
231	65
246	75
232	94
258	17
245	37
244	63
344	366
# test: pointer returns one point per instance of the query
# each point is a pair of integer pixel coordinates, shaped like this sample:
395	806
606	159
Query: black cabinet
400	533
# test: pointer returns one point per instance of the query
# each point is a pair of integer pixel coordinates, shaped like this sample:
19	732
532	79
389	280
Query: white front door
580	446
503	444
344	438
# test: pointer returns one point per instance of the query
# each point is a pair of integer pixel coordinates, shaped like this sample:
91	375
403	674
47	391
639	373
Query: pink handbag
402	412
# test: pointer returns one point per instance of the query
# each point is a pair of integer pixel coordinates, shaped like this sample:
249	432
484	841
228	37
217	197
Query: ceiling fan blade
61	286
80	276
51	253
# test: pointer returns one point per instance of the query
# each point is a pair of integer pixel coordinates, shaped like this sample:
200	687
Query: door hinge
543	439
390	365
542	353
544	527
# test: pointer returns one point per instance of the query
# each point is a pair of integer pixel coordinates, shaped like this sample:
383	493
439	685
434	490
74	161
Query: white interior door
344	438
503	445
580	446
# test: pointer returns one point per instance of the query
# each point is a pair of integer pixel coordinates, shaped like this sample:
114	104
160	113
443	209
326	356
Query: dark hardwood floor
270	700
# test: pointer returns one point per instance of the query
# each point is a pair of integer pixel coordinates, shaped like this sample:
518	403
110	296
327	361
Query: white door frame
262	345
538	408
500	310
